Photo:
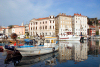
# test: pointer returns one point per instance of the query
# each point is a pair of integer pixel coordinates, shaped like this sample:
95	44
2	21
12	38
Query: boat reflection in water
13	57
47	59
72	50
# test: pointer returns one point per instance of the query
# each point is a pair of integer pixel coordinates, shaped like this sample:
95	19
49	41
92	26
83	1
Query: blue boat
9	47
27	40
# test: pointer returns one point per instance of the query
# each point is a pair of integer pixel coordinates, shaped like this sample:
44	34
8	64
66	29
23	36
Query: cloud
17	11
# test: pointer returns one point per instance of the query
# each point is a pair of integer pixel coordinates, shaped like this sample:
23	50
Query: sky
14	12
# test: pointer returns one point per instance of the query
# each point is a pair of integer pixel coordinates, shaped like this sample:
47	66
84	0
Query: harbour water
70	54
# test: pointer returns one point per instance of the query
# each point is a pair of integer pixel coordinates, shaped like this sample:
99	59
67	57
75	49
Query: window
40	27
36	28
50	33
31	23
66	18
46	22
53	27
40	22
45	27
76	21
43	22
53	21
50	21
50	16
31	28
45	33
50	27
36	23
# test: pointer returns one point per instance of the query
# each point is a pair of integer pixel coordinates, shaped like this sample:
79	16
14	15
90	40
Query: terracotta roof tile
78	14
91	26
42	18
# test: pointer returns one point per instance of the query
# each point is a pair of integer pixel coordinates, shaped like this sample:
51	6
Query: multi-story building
79	24
42	26
91	31
19	30
26	28
63	24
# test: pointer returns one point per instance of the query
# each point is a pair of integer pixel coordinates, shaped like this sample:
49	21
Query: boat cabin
50	41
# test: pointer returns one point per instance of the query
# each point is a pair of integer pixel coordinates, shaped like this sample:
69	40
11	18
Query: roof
76	14
42	18
18	26
63	14
90	26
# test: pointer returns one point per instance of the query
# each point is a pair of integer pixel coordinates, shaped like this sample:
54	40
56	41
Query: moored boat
48	47
69	37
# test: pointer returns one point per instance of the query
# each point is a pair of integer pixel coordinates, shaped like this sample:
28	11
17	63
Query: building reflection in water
94	47
72	50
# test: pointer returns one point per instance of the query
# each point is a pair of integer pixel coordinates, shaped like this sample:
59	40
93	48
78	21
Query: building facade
79	24
63	23
26	28
91	30
19	30
42	26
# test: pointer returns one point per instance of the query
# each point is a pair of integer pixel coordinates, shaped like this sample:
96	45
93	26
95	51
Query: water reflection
94	47
72	50
13	57
48	59
68	50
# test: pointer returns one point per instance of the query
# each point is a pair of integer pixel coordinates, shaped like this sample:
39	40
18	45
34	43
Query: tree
97	32
14	36
10	26
97	23
89	22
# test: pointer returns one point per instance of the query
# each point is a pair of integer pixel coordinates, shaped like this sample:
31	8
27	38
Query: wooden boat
48	47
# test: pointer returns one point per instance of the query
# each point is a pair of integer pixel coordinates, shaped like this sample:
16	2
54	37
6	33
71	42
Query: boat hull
69	38
37	51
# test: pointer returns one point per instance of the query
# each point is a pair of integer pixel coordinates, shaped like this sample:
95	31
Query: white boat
48	47
69	37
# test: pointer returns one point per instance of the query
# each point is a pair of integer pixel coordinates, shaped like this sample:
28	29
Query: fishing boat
48	47
67	36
